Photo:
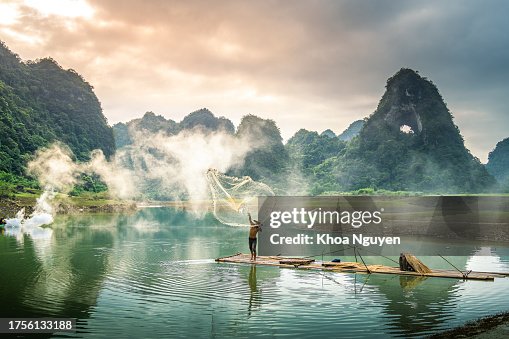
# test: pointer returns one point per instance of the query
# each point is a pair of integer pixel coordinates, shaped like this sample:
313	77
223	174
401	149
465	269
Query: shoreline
9	207
78	205
493	326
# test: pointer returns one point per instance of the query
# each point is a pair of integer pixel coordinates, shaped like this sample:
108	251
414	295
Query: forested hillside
41	103
498	163
268	159
410	143
352	131
308	149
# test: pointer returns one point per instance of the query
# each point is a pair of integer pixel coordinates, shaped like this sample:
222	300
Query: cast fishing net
233	198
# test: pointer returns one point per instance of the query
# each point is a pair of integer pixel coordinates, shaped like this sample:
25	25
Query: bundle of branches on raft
408	262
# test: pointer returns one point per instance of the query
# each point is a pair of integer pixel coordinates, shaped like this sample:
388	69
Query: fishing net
233	198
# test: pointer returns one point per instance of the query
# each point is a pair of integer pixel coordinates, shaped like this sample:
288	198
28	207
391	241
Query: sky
305	64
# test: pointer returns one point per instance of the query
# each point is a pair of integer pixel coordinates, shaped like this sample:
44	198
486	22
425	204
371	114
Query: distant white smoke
54	168
180	162
174	165
120	181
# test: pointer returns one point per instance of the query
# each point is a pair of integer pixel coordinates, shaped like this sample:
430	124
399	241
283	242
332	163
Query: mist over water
176	166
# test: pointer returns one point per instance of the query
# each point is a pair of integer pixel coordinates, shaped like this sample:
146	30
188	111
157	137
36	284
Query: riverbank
496	326
65	205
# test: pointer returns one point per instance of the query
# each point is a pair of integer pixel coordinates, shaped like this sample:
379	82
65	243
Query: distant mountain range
348	134
409	143
153	123
265	162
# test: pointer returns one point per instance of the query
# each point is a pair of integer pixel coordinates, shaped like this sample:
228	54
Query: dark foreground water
152	274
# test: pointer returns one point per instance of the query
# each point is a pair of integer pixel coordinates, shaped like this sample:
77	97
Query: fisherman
255	227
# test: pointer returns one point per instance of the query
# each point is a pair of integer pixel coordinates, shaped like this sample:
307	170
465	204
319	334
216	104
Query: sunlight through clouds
9	13
317	65
64	8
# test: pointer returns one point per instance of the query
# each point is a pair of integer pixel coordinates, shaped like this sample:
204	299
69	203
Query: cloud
318	64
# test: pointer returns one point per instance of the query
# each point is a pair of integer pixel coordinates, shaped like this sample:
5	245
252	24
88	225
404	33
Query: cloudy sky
311	64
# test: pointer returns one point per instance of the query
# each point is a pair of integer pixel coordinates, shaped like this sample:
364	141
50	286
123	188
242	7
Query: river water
152	274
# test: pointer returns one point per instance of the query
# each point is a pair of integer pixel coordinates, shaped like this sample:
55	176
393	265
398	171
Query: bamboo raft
354	267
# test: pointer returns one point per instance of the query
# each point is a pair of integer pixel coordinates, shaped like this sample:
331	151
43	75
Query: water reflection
63	280
151	273
254	292
488	259
408	283
416	304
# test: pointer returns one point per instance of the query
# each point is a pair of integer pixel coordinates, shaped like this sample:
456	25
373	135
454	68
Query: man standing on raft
256	227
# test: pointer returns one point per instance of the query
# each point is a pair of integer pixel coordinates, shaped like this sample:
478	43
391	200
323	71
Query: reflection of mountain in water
487	259
418	304
62	281
157	264
422	305
62	276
